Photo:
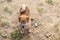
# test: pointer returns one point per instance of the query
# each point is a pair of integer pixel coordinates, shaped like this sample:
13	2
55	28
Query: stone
35	24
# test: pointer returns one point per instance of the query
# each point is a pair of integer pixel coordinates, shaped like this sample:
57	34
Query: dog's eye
27	18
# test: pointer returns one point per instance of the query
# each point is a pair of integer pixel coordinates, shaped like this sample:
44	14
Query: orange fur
24	16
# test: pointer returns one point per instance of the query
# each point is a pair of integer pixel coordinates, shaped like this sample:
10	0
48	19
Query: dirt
48	18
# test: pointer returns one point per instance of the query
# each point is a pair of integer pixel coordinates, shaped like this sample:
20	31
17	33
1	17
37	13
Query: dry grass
37	8
5	24
40	10
8	10
49	1
9	0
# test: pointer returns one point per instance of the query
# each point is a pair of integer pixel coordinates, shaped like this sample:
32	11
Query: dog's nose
23	27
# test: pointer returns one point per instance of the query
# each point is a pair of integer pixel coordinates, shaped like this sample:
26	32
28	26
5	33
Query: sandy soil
48	18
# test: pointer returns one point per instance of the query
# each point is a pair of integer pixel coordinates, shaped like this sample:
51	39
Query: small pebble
22	32
46	16
5	26
36	24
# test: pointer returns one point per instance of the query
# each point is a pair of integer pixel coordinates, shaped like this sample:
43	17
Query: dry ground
49	18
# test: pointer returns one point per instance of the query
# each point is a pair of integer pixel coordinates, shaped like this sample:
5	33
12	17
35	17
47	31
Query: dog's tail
23	7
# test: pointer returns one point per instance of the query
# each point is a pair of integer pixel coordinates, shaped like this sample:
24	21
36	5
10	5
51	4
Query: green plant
56	27
8	10
1	16
49	1
57	24
59	38
40	10
0	34
6	24
40	4
16	35
9	0
40	24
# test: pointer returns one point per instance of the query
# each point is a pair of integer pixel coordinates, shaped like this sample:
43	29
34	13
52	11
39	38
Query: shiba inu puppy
24	14
24	18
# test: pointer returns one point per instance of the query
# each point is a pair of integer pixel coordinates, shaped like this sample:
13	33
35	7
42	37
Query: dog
24	18
24	14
